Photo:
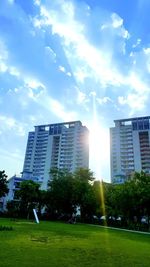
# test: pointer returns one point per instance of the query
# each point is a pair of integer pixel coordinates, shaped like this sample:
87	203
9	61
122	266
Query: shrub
5	228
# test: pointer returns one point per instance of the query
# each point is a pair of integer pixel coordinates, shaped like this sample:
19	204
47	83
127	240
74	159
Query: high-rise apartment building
60	145
129	147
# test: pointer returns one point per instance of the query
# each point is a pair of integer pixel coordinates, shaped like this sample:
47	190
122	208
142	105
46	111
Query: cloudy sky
64	60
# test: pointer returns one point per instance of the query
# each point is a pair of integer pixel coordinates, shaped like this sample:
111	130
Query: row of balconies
40	153
30	144
67	136
29	150
26	167
144	154
38	164
41	145
126	138
145	149
146	163
43	132
40	157
42	137
27	162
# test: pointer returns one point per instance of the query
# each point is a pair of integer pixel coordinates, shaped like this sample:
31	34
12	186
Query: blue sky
67	60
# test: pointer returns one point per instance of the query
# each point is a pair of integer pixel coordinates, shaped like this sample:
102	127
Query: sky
63	60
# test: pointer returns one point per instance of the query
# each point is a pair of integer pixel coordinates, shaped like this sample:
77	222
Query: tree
13	208
60	193
84	196
112	197
131	199
67	191
3	184
142	184
101	190
134	196
28	194
42	201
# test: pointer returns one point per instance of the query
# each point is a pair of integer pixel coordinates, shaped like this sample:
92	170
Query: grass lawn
64	245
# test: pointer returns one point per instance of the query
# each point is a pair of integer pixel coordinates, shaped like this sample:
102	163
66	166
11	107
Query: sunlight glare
99	149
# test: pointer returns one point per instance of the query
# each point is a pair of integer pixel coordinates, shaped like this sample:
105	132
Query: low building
13	186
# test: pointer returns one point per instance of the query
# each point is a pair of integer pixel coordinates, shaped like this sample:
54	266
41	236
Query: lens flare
103	202
99	146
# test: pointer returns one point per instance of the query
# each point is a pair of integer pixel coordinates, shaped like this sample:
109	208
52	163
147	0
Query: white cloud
11	160
146	50
3	51
3	67
92	93
137	93
37	2
10	1
85	59
58	109
116	23
62	69
37	91
136	82
134	101
68	74
138	42
14	71
33	83
50	52
116	20
3	57
10	123
4	61
80	74
82	98
104	100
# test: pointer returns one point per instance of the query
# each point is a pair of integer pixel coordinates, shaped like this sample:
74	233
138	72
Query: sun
99	149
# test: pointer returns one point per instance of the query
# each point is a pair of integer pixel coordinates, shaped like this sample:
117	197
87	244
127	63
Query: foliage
42	198
28	196
5	228
60	200
68	191
13	209
131	200
3	184
84	196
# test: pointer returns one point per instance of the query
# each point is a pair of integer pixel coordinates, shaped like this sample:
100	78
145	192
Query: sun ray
98	147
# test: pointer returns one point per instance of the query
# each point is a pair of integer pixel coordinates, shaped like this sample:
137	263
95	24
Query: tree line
122	205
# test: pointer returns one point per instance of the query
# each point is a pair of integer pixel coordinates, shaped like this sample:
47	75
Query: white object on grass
35	215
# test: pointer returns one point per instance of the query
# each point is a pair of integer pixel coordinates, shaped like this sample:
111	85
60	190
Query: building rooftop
132	119
70	123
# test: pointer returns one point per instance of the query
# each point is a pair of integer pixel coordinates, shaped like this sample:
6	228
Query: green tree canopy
28	194
67	191
84	196
131	199
3	184
60	192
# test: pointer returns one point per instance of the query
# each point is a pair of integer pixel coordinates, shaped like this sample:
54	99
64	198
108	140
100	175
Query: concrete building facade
59	145
14	186
129	147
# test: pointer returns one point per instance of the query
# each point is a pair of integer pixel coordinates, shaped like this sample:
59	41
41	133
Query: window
140	125
134	126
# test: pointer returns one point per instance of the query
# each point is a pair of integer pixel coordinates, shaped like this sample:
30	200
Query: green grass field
64	245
